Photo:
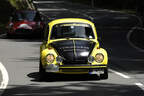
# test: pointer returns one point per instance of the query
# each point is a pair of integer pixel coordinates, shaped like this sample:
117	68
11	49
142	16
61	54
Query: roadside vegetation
18	4
21	4
5	10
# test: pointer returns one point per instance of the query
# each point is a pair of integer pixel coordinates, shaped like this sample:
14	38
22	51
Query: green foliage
18	4
5	10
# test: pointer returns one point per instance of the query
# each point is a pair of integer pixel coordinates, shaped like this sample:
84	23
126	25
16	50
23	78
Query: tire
105	75
43	75
42	71
8	35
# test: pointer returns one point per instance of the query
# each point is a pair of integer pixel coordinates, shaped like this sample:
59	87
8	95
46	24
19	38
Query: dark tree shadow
23	38
74	89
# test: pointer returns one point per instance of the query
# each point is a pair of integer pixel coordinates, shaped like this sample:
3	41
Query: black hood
74	51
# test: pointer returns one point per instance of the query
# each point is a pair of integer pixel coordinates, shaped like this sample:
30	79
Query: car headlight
50	58
99	57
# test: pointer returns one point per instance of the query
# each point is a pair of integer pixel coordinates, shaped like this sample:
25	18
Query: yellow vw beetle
71	46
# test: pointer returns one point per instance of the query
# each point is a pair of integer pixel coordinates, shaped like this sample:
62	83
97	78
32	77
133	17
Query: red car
25	22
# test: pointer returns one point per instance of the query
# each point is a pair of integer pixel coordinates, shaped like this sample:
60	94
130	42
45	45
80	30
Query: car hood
74	51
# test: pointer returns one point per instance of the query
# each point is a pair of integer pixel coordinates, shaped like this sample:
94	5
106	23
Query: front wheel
8	35
41	71
105	75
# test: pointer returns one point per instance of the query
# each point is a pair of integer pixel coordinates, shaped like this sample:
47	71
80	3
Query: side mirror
44	41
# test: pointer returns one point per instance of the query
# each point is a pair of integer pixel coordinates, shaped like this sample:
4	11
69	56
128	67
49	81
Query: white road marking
45	9
36	2
5	77
120	74
140	85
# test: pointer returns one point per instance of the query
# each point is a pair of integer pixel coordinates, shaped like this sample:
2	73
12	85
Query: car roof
70	20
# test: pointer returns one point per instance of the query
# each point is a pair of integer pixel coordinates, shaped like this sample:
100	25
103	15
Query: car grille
75	62
74	70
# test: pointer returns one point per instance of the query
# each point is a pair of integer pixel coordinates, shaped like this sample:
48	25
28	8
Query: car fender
104	52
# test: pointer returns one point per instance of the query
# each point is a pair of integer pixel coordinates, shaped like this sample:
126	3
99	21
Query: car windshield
25	15
72	30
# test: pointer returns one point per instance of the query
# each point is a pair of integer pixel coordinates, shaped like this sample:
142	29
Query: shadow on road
22	38
74	89
61	77
27	59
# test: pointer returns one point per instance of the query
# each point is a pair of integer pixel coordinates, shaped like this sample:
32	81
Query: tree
19	4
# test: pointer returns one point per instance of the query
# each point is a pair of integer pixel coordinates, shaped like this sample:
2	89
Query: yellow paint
71	20
46	49
103	51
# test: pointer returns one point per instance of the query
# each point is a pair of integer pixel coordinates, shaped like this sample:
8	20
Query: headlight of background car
99	57
50	58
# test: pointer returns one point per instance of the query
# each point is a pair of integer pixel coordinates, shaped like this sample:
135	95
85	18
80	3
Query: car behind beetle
24	22
71	46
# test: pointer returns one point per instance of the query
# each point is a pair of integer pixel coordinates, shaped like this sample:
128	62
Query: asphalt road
20	56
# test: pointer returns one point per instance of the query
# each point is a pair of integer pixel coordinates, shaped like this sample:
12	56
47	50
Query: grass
18	4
